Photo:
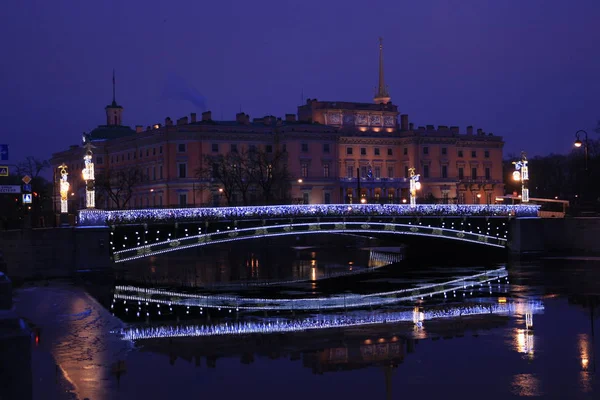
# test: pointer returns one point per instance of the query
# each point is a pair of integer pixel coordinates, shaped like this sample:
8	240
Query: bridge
148	232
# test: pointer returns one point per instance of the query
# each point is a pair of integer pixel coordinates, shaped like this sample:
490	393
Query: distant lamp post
63	187
578	143
363	200
88	173
414	186
522	174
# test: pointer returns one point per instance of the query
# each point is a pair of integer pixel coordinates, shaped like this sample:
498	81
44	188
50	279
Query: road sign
27	187
3	170
10	189
27	198
3	152
26	179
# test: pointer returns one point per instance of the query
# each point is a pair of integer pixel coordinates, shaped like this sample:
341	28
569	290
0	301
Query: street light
414	186
522	174
578	143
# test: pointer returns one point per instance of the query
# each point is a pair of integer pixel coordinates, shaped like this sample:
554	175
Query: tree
270	174
117	184
217	173
32	167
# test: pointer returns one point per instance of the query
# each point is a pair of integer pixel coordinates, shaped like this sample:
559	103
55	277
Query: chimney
182	121
168	121
193	117
404	122
411	126
290	117
469	130
267	120
139	128
479	131
442	127
206	116
454	130
240	118
430	128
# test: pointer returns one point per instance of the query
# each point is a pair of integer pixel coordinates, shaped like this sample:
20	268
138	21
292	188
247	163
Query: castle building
331	152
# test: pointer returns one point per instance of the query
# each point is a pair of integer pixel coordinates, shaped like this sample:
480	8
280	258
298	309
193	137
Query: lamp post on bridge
88	173
578	143
522	174
414	186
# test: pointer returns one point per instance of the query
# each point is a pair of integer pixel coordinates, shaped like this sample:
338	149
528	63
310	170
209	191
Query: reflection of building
368	353
334	151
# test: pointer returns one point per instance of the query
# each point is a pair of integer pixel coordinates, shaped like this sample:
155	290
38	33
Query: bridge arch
369	227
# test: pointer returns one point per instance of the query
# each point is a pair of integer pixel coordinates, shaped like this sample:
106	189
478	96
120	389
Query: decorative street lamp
63	187
522	174
578	143
414	186
88	173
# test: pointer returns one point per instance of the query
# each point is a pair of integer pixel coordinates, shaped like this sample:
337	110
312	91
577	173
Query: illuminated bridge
148	232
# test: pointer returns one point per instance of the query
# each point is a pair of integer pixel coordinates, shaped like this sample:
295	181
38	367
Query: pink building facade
334	152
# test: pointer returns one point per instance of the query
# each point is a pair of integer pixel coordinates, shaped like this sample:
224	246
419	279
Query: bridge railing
118	217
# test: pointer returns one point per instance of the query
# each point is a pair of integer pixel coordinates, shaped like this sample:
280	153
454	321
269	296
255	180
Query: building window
376	150
363	151
405	151
460	154
488	175
350	172
252	148
327	199
284	148
425	171
474	173
128	156
363	172
141	153
304	170
377	172
406	171
160	170
349	151
390	152
153	173
160	201
325	147
183	200
304	147
325	170
444	151
215	147
486	154
154	151
425	150
305	199
160	152
147	177
444	171
473	154
488	197
269	148
461	173
461	198
99	160
234	148
390	172
182	168
147	152
215	171
181	147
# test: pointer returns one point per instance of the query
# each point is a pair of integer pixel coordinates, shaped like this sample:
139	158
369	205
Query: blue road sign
27	187
27	198
3	152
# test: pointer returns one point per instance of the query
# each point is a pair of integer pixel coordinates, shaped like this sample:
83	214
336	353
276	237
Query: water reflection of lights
524	341
316	303
584	353
320	322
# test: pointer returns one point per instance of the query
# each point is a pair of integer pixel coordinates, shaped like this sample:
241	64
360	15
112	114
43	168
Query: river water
468	330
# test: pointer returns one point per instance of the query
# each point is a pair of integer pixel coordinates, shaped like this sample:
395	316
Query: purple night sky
526	70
